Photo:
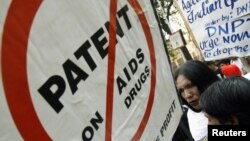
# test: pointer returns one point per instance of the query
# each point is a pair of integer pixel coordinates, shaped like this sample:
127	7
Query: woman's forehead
182	81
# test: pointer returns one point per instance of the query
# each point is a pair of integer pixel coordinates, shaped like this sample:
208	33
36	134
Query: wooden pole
189	29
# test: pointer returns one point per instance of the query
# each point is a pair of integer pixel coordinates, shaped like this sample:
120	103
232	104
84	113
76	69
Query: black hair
198	73
226	98
209	63
224	61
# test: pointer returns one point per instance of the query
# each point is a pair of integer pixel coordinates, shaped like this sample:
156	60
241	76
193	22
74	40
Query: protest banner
220	27
84	70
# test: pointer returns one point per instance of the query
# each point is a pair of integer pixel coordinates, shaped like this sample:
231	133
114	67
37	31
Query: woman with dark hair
227	102
192	78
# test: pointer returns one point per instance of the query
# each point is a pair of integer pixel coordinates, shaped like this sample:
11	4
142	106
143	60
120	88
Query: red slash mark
111	64
111	69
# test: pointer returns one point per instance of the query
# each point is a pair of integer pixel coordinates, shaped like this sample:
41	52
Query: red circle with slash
14	69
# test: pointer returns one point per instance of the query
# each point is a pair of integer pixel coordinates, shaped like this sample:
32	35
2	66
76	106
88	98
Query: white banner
221	27
68	74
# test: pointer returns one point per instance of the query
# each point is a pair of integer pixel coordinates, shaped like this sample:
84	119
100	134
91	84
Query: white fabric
239	64
197	124
247	76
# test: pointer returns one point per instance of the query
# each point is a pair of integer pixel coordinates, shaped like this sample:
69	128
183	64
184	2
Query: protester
216	69
192	78
223	62
227	102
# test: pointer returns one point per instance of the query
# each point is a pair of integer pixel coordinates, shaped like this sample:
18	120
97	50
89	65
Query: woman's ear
233	120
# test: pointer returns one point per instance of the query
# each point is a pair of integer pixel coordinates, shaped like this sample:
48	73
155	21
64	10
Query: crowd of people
212	93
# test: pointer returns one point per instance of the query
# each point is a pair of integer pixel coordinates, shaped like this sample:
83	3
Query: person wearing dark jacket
216	69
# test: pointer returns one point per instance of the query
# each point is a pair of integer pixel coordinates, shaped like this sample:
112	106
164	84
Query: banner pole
188	29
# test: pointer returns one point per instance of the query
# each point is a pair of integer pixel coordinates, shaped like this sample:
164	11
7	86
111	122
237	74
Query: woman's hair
226	98
198	73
